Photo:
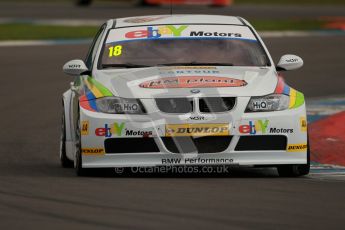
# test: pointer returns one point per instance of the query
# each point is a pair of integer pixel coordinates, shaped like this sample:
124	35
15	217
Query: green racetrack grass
35	32
42	32
276	25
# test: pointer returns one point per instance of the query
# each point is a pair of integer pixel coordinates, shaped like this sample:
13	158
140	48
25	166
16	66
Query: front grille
207	144
130	145
263	142
175	105
216	104
186	105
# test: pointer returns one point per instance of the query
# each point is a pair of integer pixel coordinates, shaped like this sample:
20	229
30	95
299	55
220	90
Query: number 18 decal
115	51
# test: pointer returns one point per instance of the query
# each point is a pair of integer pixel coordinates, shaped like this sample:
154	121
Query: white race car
182	90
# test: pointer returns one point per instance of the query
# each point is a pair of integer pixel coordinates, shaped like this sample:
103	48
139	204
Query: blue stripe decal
90	96
93	104
286	90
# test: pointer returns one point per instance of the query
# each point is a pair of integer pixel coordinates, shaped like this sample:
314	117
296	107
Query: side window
93	49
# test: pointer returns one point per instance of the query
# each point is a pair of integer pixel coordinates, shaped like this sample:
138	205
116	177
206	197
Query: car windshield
222	45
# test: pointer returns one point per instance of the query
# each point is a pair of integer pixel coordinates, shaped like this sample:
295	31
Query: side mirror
75	67
289	62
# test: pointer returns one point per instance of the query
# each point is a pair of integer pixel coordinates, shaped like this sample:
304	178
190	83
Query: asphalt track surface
115	10
35	193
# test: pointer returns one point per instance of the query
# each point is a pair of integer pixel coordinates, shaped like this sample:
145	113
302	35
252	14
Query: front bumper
98	129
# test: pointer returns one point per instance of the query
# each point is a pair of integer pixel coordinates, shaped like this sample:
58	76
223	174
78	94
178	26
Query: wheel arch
66	102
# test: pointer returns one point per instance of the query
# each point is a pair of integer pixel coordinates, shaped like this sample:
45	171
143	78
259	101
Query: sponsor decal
291	60
172	161
260	104
138	133
192	82
198	118
214	34
127	107
84	128
261	126
152	32
189	67
118	129
110	130
297	147
92	151
253	127
143	19
74	66
192	72
303	124
175	130
281	130
178	32
156	32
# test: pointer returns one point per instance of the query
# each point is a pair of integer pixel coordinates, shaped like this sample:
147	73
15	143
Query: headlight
119	105
273	102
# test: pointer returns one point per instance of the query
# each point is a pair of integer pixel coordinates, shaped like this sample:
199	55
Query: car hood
164	82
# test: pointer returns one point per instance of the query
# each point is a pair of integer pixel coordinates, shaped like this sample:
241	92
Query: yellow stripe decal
293	94
93	89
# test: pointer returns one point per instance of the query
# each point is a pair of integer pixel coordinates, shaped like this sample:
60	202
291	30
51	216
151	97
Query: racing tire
65	162
83	2
295	170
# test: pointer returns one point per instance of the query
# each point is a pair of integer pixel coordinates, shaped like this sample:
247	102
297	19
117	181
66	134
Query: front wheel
65	162
295	170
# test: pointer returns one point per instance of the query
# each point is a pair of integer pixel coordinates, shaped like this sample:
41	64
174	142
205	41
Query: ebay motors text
261	126
118	129
161	31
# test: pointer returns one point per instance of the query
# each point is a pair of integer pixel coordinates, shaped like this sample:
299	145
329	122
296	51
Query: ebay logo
254	126
157	32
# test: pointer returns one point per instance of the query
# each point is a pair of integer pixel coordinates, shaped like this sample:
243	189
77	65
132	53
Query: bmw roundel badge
195	91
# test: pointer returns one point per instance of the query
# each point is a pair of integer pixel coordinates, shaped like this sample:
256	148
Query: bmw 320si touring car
182	90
